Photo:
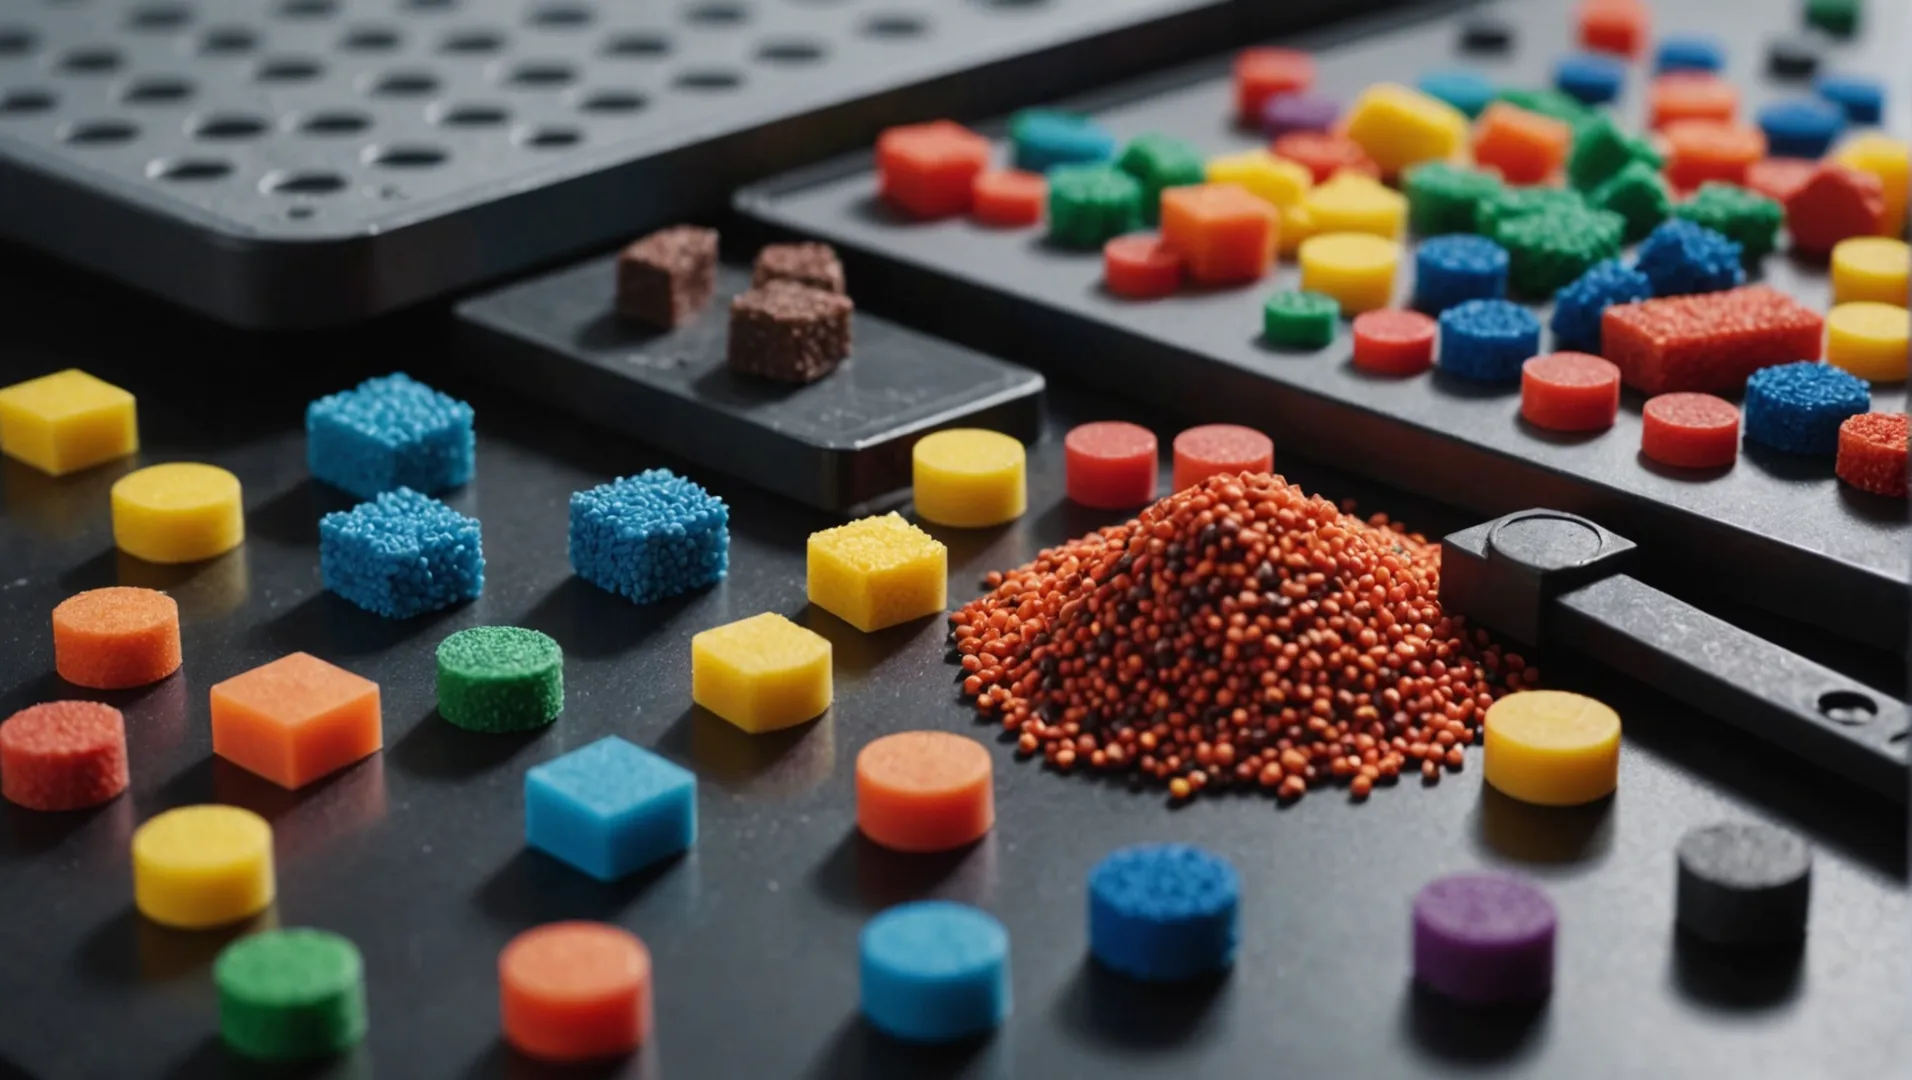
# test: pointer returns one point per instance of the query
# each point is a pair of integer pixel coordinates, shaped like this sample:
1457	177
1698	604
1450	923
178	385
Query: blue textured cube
1046	138
610	808
1803	127
1862	98
1681	257
389	433
1798	407
402	554
1579	306
1450	270
1488	340
1590	78
1164	912
934	971
1689	52
649	536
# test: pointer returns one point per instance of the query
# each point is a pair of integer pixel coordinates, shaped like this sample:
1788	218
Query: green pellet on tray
1553	103
1638	194
1497	209
1158	163
1840	17
1601	149
1300	320
1442	197
500	678
1745	217
1548	250
290	995
1089	205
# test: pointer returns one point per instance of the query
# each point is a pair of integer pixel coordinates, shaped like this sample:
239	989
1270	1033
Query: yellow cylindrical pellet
1870	268
1356	269
178	513
969	478
203	866
1869	340
1552	748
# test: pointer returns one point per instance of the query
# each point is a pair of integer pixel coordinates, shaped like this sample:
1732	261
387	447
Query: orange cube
1692	95
1263	73
295	720
1615	26
1702	150
1225	235
1525	147
929	170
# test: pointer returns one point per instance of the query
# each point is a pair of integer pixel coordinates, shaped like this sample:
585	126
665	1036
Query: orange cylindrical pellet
1220	449
1009	198
1110	465
1692	95
574	991
1872	454
1141	267
1569	391
63	755
1690	431
922	791
1615	26
116	638
1702	150
1394	342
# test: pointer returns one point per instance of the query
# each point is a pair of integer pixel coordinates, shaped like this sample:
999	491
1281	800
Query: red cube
929	170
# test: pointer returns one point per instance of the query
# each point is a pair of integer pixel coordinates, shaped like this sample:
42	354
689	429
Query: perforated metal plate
304	162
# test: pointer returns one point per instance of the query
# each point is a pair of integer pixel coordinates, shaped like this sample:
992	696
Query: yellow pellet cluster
67	421
1869	339
969	478
1399	127
202	866
1276	181
178	513
1357	269
1552	748
1870	268
1351	202
878	572
762	674
1890	160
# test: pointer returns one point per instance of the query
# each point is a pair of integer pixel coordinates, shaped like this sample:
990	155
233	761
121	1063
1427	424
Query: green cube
1158	163
1089	205
1638	194
1553	103
1747	218
1444	198
1601	149
1503	206
1549	249
1300	320
1839	17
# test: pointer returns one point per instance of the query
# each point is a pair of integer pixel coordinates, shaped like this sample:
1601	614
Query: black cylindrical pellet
1743	884
1792	58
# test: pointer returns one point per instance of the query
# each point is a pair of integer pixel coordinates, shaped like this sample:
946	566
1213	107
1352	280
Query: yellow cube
1869	340
1890	160
1356	269
202	866
1399	127
1275	181
1870	268
66	422
1350	202
969	478
762	674
878	572
178	513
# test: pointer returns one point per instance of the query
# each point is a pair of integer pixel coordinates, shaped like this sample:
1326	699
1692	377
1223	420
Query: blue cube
389	433
402	554
1580	308
610	809
649	536
1681	257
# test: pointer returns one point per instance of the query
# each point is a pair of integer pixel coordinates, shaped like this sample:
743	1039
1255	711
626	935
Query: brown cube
790	333
665	279
815	265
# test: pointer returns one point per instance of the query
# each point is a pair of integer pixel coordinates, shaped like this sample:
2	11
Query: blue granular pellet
1590	78
1046	138
1681	257
389	433
1450	270
402	554
1465	89
1690	52
1164	912
1803	127
649	536
1579	306
1798	407
1488	340
1863	99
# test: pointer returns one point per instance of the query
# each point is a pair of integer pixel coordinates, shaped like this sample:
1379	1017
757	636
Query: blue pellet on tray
1164	912
389	433
1798	407
1453	269
1590	78
1863	99
1689	52
1465	89
610	808
402	554
649	536
934	971
1046	138
1579	306
1803	127
1488	340
1680	257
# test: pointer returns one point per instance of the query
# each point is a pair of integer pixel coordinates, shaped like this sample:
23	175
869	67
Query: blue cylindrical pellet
934	971
1863	99
1798	407
1690	52
1590	78
1488	340
1164	912
1046	138
1578	308
1450	270
1465	89
1681	257
1803	127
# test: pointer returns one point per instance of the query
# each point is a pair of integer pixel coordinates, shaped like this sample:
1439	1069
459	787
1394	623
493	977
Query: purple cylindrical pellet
1484	938
1298	112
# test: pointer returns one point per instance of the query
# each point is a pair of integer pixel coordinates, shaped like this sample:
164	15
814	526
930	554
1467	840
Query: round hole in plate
158	17
157	90
790	51
333	122
26	102
541	75
228	41
304	183
100	133
563	16
637	45
92	60
716	13
370	39
301	212
403	84
16	41
189	170
550	137
428	6
473	42
228	127
708	79
612	102
1848	707
896	24
471	116
406	156
289	69
308	9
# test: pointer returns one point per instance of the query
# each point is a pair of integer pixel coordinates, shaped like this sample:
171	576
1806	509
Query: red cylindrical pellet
1141	267
1569	391
1872	453
1110	465
64	755
1394	342
1324	154
1213	449
1690	431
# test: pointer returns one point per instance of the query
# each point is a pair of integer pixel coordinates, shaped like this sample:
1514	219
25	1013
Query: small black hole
16	41
305	183
790	52
406	157
101	133
561	16
190	170
228	41
159	17
472	42
638	45
716	14
404	84
551	138
97	60
25	102
300	213
229	127
474	116
370	39
334	123
1012	3
541	75
308	9
429	5
708	79
157	90
612	102
1847	707
1901	735
290	69
896	25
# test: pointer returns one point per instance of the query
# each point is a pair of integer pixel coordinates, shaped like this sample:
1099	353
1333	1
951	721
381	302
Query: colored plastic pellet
1798	407
649	536
1524	147
1450	270
1602	148
1399	127
1708	341
1692	95
1356	269
1578	307
969	478
1552	748
1890	161
877	572
1484	939
1689	52
389	433
1870	268
1615	26
1681	257
67	421
610	808
1868	339
1802	127
1487	340
1164	912
1045	138
1569	391
1008	198
1444	198
1463	88
933	971
1835	203
500	678
1498	209
1837	17
1265	73
1284	114
1110	465
1292	319
1296	227
1743	885
1324	154
1590	78
178	513
764	673
1220	450
1274	180
1702	150
575	991
1550	103
1548	250
63	755
1778	178
1140	266
402	554
1352	203
1792	58
1226	236
116	638
1394	342
1861	99
202	866
929	170
1872	455
290	995
1158	162
923	791
1638	194
296	720
1743	216
1690	431
1089	205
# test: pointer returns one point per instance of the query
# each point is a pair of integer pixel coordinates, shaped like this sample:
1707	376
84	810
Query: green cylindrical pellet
1158	163
1443	198
1747	218
1638	194
1838	17
500	678
290	995
1089	205
1300	320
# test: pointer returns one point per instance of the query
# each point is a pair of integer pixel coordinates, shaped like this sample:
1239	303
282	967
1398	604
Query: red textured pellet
1220	450
64	755
1779	178
929	170
1110	465
1872	453
1690	431
1569	391
1835	203
1615	26
1708	341
1141	267
1324	154
1262	73
1009	198
1393	342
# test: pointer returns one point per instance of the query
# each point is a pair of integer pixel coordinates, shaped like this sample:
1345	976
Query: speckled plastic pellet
1046	138
1551	747
67	421
1861	98
1690	431
1602	148
1293	319
1708	341
1450	270
1548	250
1681	258
1444	198
388	433
402	554
1872	453
1745	217
877	572
649	536
1110	465
1870	268
1869	339
969	478
1638	194
1164	912
63	755
1590	78
1089	205
290	995
1393	342
1578	307
610	808
1569	391
181	512
575	992
1464	88
1743	885
1689	52
1357	269
1484	939
1835	203
116	638
1220	450
1487	340
1798	407
1495	211
202	866
933	971
1158	162
500	678
1801	128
